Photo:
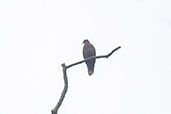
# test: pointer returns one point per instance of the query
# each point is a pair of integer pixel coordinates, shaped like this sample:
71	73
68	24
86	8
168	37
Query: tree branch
55	110
96	57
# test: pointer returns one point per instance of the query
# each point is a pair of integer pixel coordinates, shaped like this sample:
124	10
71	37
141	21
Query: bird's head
86	41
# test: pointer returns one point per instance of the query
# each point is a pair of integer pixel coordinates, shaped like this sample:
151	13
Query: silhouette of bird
89	51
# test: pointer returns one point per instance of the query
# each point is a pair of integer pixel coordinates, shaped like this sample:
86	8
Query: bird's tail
90	72
90	67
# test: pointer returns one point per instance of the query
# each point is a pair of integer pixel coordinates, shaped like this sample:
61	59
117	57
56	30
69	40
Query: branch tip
64	66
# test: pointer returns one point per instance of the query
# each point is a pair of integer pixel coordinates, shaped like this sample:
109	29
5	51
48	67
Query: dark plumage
88	51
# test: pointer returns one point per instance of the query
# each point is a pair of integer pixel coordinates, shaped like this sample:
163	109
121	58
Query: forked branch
55	110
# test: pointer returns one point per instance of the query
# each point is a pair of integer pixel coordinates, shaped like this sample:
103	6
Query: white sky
37	36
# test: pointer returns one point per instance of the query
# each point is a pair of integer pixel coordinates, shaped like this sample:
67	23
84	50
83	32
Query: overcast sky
37	36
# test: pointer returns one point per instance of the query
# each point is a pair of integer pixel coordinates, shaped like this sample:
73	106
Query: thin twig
55	110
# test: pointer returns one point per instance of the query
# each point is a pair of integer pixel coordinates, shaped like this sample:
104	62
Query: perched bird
88	51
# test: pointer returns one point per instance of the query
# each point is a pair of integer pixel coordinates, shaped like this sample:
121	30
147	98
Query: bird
89	51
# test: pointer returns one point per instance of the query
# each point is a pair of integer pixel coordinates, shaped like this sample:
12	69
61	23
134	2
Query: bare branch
55	110
96	57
